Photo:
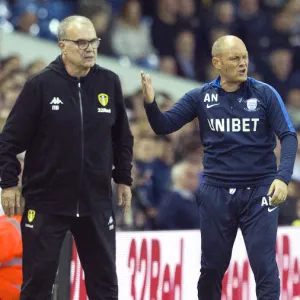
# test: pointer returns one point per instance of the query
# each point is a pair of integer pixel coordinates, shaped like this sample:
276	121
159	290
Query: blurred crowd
174	37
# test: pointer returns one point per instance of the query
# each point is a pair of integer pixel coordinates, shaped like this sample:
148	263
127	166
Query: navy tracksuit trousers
222	212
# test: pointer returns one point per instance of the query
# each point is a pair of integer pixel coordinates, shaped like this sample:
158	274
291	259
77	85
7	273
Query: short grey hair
177	172
65	23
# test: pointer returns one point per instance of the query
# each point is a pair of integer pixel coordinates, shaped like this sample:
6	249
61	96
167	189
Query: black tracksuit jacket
76	135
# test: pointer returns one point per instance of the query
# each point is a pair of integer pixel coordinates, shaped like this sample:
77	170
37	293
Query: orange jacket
10	258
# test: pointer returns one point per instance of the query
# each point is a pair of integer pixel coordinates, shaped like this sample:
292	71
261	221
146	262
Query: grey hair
65	23
177	172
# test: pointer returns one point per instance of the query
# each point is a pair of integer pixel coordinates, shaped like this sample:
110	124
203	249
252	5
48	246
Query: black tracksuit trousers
43	235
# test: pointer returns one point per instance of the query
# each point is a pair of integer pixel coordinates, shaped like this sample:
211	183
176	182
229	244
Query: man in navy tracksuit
242	186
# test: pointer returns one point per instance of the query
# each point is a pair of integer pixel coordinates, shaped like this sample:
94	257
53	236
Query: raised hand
148	90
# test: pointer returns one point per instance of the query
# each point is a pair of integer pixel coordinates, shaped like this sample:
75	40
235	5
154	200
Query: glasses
84	44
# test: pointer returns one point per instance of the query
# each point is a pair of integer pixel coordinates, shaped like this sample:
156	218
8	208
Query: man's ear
216	63
61	45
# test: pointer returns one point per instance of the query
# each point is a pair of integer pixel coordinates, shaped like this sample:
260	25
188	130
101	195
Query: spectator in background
188	17
272	5
9	99
130	36
165	27
224	15
161	170
164	100
215	33
288	213
12	79
145	150
293	106
186	140
194	153
293	7
210	72
89	7
35	67
280	73
102	20
144	156
26	21
221	17
134	106
9	65
167	65
179	208
282	28
185	55
253	26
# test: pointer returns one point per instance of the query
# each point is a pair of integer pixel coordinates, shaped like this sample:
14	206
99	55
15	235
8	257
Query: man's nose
243	62
89	48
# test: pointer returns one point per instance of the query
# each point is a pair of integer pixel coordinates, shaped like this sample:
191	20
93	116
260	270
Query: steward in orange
10	257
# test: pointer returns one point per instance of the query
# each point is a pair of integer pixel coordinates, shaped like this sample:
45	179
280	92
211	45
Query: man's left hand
279	189
124	196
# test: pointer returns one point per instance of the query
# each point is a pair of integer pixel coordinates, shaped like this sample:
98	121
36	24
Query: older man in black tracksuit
71	121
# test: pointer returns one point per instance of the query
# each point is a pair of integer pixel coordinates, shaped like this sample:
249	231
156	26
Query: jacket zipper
82	139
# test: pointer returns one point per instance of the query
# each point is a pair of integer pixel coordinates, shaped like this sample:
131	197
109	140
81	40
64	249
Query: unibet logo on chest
233	124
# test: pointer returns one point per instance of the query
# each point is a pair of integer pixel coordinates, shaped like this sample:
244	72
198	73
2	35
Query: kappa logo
110	223
252	104
55	102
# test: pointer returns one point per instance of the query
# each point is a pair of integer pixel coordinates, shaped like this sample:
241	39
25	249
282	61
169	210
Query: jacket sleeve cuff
153	104
122	177
284	177
8	184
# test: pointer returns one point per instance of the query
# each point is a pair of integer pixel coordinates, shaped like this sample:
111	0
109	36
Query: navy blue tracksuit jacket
238	132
